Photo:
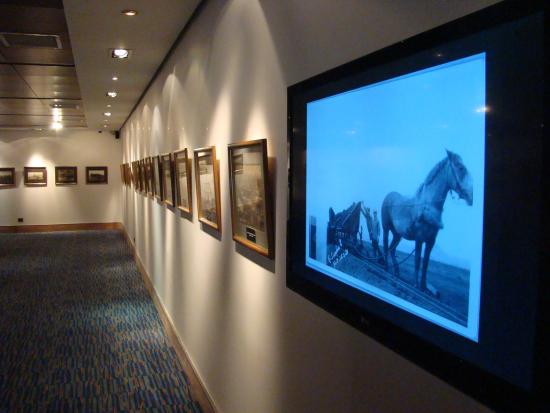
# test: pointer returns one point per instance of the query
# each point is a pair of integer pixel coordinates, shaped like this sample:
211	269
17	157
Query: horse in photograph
418	218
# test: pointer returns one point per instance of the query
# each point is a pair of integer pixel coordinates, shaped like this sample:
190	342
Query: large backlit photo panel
395	187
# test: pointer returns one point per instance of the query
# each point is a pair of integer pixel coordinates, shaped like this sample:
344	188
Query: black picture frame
97	175
506	369
61	181
7	177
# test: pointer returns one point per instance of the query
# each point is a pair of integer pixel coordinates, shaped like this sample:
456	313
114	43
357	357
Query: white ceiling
97	26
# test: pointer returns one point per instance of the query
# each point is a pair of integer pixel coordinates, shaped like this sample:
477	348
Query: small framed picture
208	187
66	175
251	217
96	175
150	177
7	177
182	172
157	187
35	176
142	185
135	175
167	179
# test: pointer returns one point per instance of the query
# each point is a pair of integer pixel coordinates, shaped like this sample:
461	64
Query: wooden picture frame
157	168
141	167
135	175
97	175
66	175
167	179
183	180
251	213
7	177
208	187
35	176
149	175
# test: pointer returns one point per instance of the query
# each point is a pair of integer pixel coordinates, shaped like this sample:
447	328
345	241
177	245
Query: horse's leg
393	246
417	256
386	231
425	262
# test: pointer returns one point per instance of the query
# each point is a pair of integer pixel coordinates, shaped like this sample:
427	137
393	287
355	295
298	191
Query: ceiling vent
43	41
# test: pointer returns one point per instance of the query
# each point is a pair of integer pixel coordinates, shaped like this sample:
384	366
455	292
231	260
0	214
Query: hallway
79	331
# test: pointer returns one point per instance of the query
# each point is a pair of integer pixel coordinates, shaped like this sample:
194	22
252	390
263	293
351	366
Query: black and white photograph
396	217
207	183
157	187
182	171
250	217
167	180
66	175
96	175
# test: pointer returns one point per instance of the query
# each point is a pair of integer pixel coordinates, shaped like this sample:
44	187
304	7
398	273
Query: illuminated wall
257	346
60	204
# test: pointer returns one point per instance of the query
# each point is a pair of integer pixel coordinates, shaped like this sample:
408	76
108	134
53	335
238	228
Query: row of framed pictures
168	177
64	175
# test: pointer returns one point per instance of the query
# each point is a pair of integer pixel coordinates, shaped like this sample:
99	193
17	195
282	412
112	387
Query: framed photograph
251	218
157	167
7	177
417	201
97	175
142	180
66	175
150	176
135	175
208	187
182	172
167	179
35	176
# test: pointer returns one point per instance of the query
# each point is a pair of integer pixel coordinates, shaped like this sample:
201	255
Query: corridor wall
257	346
72	204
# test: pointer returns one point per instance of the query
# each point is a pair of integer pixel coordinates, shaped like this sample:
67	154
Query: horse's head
461	180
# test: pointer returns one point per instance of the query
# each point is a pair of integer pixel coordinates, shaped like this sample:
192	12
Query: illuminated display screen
395	191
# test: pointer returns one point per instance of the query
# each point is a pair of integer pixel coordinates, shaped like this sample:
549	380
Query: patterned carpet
78	330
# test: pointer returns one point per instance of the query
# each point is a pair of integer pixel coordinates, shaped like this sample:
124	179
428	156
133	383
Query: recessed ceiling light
120	53
56	125
129	12
115	77
112	94
107	113
108	106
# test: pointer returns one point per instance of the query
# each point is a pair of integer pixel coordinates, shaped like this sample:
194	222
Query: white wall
60	204
258	346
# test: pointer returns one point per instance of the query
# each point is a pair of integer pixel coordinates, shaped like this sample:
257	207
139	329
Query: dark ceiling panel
12	85
35	70
40	107
24	106
23	121
50	81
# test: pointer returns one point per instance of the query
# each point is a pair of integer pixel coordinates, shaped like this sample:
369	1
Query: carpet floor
79	331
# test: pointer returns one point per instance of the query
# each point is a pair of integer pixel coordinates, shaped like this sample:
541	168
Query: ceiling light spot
129	12
112	94
120	53
115	77
56	125
107	114
104	126
108	106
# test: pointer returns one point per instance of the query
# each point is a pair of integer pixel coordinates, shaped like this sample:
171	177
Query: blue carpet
79	331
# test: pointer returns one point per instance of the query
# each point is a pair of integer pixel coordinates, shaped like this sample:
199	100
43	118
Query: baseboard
198	390
61	227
